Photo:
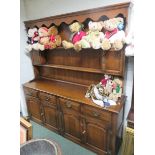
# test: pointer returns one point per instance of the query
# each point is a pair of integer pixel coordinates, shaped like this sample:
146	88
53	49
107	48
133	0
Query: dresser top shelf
70	91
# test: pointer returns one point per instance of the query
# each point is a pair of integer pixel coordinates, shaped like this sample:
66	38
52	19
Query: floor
67	146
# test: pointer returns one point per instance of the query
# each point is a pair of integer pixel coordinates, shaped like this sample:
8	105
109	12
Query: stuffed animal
94	36
118	86
54	38
77	35
105	79
33	39
49	37
106	92
43	34
114	35
113	96
117	90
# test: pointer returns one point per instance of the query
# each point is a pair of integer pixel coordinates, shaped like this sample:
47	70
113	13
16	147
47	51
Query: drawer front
31	92
97	113
47	97
70	105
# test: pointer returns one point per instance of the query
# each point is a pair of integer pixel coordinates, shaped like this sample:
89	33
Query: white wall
26	72
35	9
44	8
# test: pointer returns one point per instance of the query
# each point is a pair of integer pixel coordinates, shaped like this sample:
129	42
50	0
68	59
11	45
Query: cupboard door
71	125
97	136
34	108
50	115
70	119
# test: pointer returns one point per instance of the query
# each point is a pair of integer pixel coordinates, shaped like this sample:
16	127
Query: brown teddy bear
49	37
77	34
55	39
114	35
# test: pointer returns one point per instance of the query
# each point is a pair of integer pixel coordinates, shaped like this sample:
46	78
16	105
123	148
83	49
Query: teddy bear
105	79
118	86
114	35
55	39
94	36
76	37
33	39
49	37
106	92
117	90
97	94
113	96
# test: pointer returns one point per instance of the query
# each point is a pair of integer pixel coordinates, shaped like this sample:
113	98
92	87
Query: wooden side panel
37	57
114	62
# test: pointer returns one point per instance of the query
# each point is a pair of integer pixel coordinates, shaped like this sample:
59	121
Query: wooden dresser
56	97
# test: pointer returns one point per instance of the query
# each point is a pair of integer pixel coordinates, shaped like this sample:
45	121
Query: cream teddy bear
114	35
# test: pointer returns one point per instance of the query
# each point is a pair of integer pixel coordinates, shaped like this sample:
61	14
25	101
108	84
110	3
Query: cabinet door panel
97	135
50	113
70	118
72	126
34	108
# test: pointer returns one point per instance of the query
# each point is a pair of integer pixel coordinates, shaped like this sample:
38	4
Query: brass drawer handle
47	99
96	114
68	104
84	132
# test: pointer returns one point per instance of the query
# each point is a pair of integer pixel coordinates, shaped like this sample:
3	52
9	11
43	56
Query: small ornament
120	26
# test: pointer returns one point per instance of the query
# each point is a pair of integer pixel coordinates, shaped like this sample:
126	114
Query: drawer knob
42	114
84	132
68	104
96	114
47	99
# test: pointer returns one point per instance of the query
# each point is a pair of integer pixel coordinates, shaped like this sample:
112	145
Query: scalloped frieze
81	16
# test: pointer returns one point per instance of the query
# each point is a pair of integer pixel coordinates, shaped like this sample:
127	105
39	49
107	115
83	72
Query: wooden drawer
31	92
70	105
47	97
97	113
